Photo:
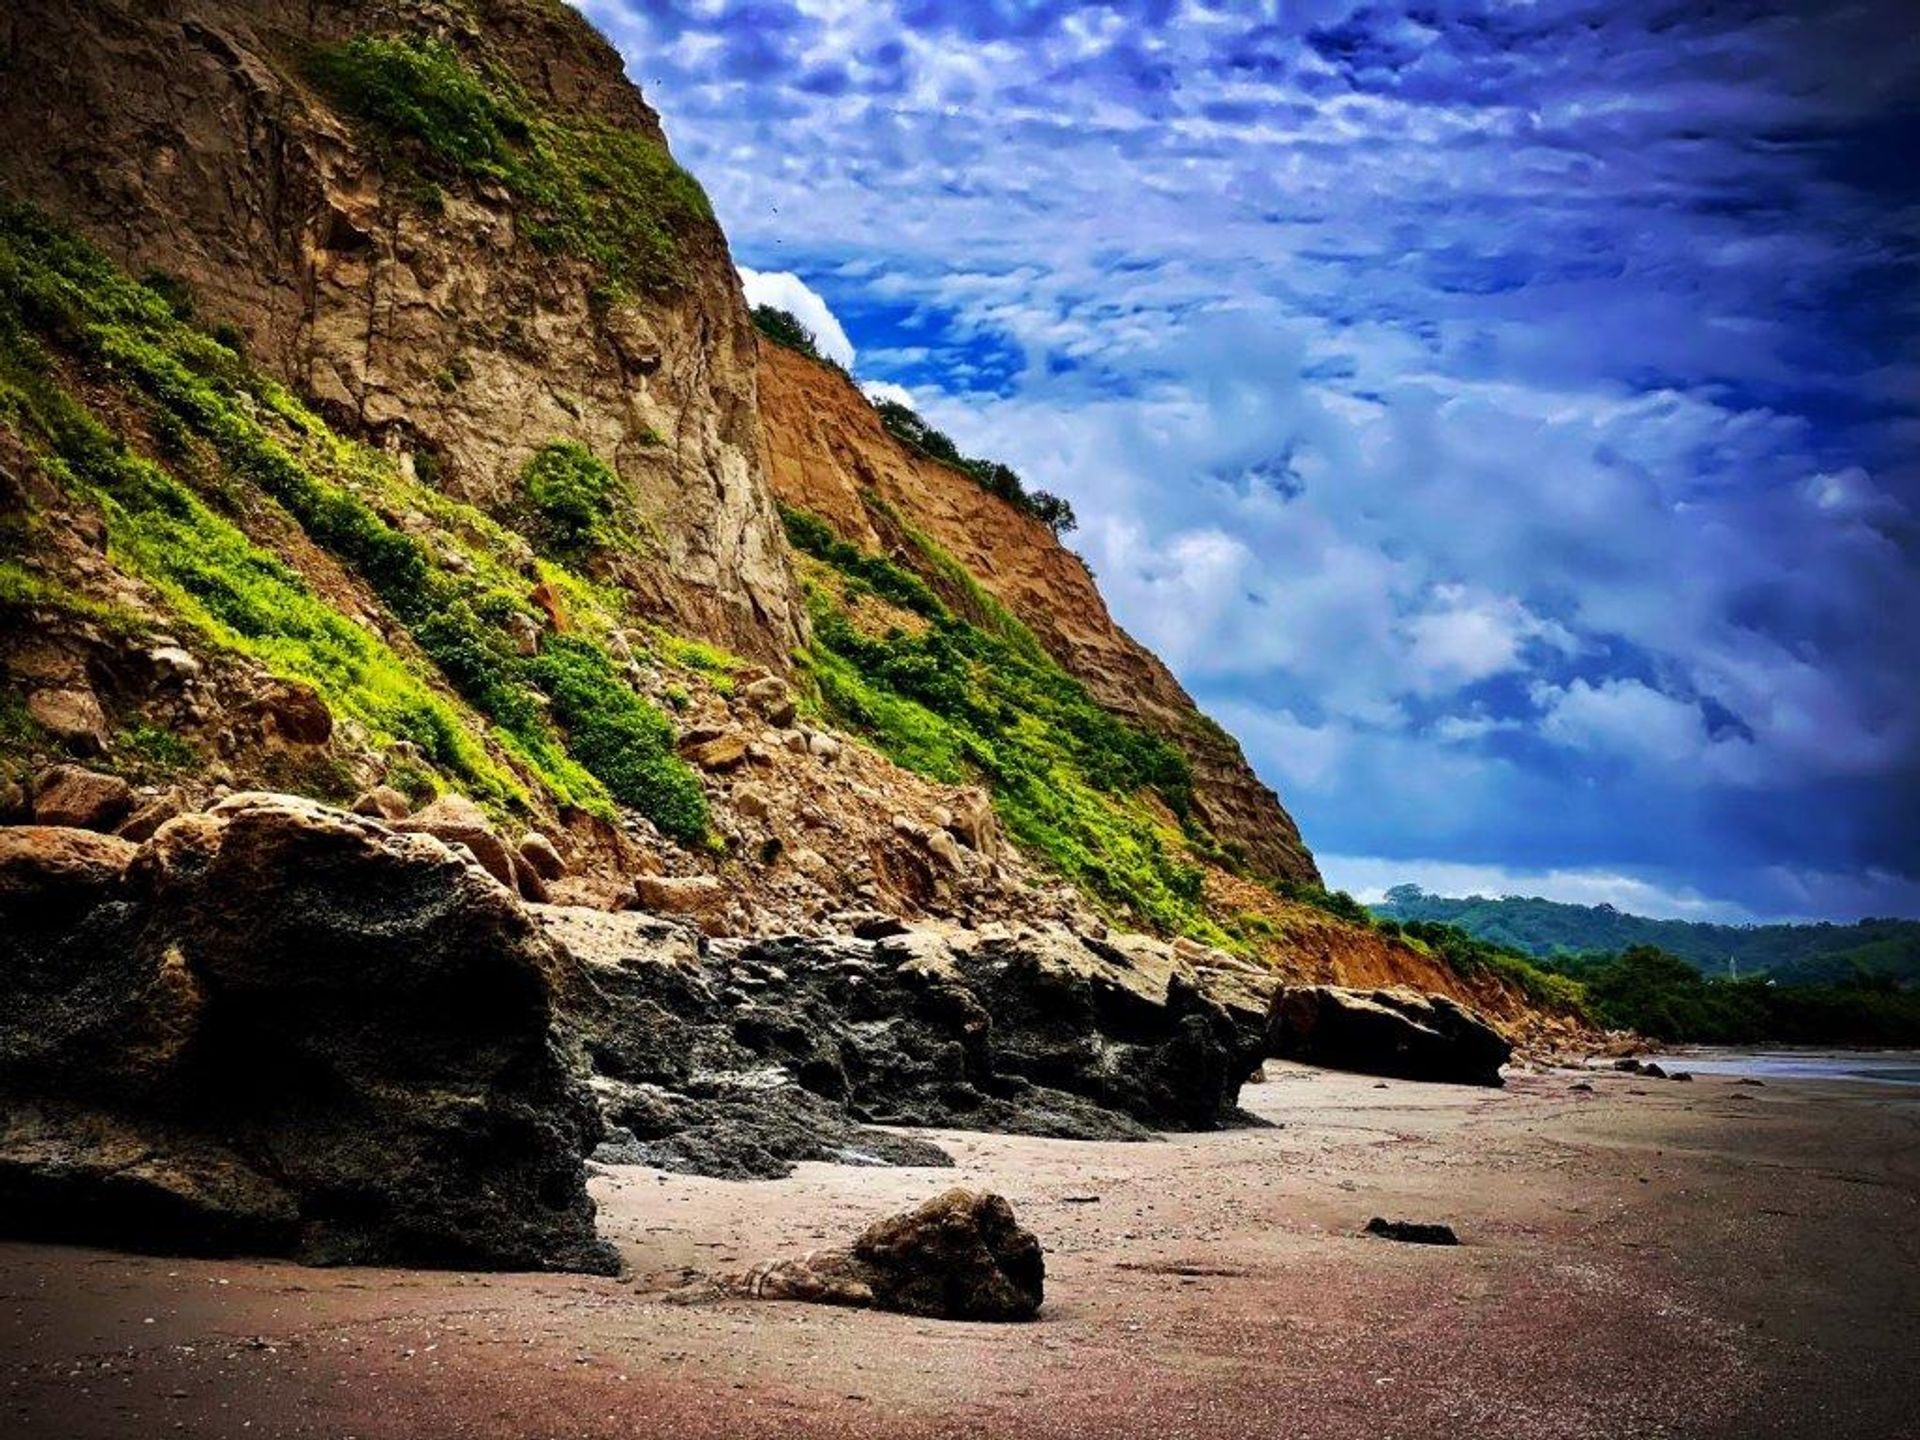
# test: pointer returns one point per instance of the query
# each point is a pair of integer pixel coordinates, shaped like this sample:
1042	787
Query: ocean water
1886	1067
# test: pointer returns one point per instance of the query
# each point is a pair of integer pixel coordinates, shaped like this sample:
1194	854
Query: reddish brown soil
1651	1259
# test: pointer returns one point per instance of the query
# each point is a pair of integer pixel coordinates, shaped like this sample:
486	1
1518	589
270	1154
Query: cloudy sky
1504	416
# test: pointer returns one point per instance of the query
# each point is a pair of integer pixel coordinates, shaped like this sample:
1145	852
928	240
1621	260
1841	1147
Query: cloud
784	290
1501	416
886	390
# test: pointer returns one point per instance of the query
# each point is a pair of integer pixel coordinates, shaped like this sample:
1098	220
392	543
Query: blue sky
1504	416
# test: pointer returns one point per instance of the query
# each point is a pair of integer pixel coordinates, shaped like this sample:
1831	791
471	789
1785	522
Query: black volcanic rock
281	1028
1385	1032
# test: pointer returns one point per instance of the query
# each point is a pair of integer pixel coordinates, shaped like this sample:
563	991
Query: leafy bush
783	327
573	491
611	196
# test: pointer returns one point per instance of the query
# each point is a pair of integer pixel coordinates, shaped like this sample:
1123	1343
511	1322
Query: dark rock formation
961	1256
1412	1232
1385	1032
277	1027
738	1059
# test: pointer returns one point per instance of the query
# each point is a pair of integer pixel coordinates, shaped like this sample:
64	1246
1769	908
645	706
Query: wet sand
1648	1259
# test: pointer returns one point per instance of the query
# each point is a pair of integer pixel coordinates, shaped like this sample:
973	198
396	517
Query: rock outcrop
739	1059
1385	1032
960	1256
281	1028
191	139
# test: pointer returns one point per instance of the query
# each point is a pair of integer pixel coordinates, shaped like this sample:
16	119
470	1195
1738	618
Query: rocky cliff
828	454
462	247
380	421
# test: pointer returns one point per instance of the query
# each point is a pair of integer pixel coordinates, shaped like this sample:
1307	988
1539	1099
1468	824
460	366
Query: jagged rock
383	802
283	1028
72	716
960	1256
721	752
823	746
944	848
83	799
538	852
173	665
150	814
752	802
1385	1032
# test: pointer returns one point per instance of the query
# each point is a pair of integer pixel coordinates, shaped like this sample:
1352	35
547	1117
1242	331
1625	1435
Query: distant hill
1791	954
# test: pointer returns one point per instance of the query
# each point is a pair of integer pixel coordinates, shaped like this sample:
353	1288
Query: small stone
151	815
723	752
680	894
944	848
173	663
772	699
73	716
823	746
297	713
752	802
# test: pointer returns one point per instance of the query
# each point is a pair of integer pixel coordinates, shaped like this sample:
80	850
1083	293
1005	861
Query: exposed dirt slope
826	452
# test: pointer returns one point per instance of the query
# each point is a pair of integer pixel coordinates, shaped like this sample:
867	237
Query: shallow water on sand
1887	1067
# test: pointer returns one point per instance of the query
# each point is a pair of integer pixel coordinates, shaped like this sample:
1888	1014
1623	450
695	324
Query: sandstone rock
538	852
772	699
73	716
752	802
944	848
150	814
297	713
458	821
974	824
283	1028
680	894
722	752
823	746
961	1256
173	664
383	802
1385	1032
84	799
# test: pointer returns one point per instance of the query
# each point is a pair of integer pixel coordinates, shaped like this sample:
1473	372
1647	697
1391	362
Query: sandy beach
1646	1258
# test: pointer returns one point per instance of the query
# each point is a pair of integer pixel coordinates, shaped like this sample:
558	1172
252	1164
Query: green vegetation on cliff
1100	801
85	350
582	187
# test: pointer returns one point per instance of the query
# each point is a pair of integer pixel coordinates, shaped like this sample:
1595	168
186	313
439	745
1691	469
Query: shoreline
1708	1260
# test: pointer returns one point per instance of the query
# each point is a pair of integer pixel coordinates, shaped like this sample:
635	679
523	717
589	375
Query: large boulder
1395	1033
84	799
960	1256
279	1027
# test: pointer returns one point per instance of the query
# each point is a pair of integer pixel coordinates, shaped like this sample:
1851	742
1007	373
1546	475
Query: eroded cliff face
827	453
429	316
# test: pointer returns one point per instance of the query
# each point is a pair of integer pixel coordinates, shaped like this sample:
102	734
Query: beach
1642	1258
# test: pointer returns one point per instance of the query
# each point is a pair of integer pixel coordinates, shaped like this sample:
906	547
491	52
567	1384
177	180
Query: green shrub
783	327
573	491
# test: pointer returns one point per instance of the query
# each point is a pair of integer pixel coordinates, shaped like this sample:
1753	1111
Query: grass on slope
1096	799
581	187
565	715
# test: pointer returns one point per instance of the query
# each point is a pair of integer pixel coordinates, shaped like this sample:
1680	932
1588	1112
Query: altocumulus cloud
1503	417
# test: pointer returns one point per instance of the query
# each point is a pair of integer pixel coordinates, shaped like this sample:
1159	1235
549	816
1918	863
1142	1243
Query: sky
1504	417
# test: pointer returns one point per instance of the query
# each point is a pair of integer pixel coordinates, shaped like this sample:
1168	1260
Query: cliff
405	269
381	421
828	454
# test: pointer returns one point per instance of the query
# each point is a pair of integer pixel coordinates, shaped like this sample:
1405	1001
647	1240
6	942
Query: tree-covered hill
1790	954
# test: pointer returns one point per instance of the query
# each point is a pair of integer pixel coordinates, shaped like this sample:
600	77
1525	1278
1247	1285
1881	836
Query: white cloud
784	290
887	390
